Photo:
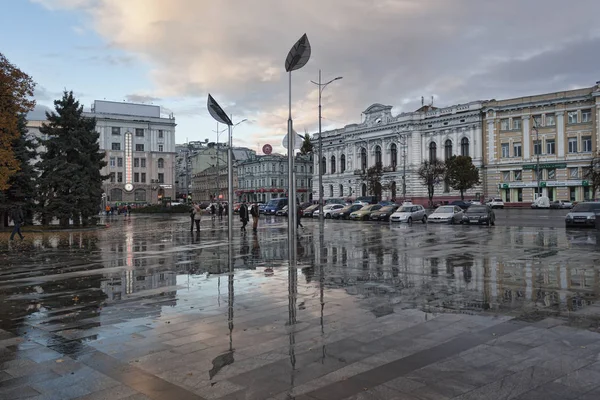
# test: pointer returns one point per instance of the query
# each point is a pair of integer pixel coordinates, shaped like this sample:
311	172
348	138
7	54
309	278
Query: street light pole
320	160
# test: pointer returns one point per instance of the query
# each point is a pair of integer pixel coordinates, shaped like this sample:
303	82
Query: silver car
409	213
447	214
583	214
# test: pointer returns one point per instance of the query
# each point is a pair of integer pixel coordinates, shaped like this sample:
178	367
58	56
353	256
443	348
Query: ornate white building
400	143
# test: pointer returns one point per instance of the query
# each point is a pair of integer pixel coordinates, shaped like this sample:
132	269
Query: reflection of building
211	182
118	287
565	143
393	141
265	177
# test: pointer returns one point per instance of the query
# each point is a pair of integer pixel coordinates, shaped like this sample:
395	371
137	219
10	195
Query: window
550	120
112	177
572	145
550	146
448	149
161	178
432	151
519	195
551	174
536	120
378	162
573	173
572	196
139	147
140	195
116	146
586	115
464	147
504	124
119	177
333	164
516	124
301	183
136	162
324	165
273	182
115	130
537	147
143	162
330	190
363	158
394	155
341	190
139	132
161	148
116	195
505	176
587	193
517	150
343	163
136	177
572	117
505	151
112	162
518	175
282	183
586	142
120	162
161	134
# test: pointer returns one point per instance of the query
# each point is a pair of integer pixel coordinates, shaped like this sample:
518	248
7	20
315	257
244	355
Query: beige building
559	128
211	184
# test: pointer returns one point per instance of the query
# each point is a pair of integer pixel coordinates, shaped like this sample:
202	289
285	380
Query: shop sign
545	166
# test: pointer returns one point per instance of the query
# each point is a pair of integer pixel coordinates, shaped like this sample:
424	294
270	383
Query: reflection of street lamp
321	88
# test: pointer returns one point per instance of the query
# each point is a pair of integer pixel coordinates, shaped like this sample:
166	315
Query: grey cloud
38	113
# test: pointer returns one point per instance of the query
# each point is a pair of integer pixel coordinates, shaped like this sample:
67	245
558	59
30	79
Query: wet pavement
146	309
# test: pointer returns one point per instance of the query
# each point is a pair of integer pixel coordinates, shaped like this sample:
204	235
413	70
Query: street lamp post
321	88
217	156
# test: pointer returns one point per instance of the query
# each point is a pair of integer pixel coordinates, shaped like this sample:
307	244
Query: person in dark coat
16	215
244	215
298	216
192	212
221	211
254	211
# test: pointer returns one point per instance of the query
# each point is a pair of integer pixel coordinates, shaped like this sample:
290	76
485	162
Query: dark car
583	214
462	204
479	215
346	211
384	213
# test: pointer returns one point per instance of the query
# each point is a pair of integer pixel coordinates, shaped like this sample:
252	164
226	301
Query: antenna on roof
422	101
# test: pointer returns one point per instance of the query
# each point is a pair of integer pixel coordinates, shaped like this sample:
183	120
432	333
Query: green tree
431	172
16	92
307	146
372	177
70	185
592	175
22	188
461	174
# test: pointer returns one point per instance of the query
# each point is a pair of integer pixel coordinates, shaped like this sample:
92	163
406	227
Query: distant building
211	184
265	177
183	167
140	151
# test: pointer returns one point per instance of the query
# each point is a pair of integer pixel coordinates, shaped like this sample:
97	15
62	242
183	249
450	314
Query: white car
328	210
409	213
495	203
447	214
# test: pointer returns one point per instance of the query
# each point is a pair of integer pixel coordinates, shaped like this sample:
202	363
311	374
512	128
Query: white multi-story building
399	143
140	151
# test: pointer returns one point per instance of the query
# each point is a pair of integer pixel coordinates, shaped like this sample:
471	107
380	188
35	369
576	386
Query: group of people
245	216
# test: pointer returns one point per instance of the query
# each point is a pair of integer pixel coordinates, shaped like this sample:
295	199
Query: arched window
330	190
273	167
333	164
394	154
324	165
341	190
363	159
432	151
378	156
161	163
464	147
448	149
363	189
343	163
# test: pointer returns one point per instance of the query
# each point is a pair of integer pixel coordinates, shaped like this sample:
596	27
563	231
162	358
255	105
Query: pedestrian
298	216
255	212
225	209
244	215
213	211
192	212
221	211
129	210
197	216
16	215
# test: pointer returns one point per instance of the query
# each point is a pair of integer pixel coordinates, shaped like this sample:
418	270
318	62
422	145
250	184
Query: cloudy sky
173	52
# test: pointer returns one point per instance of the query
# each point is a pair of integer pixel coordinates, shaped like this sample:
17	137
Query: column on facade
490	140
455	146
560	133
476	146
526	139
423	147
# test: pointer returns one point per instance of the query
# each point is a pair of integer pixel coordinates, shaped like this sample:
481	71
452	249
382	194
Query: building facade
140	151
399	144
183	167
559	129
211	184
265	177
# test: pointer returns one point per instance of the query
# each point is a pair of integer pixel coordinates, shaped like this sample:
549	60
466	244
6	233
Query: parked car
364	212
447	214
541	202
345	212
335	201
409	213
275	205
560	204
462	204
479	215
495	203
583	214
384	213
283	212
308	211
327	210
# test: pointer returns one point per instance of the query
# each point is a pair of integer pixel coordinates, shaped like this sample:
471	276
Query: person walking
197	216
298	216
192	212
255	212
244	215
213	211
221	211
16	215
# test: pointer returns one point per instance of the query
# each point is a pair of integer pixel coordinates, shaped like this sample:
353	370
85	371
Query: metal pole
218	174
291	188
321	219
230	193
